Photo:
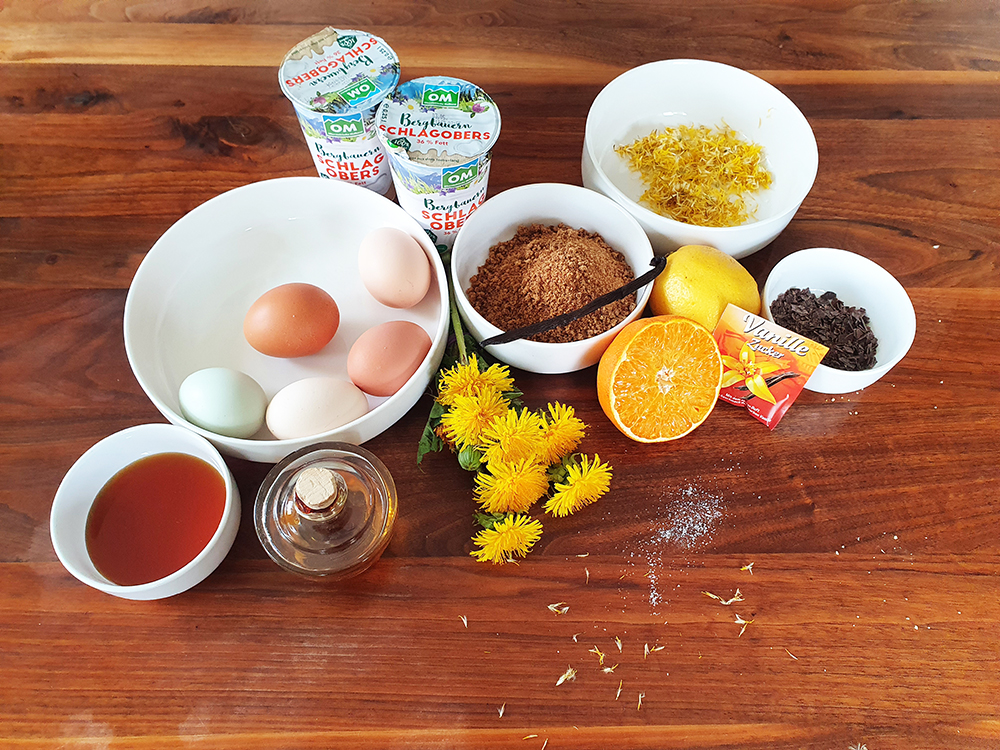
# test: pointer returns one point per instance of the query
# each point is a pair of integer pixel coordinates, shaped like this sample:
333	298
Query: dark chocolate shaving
845	330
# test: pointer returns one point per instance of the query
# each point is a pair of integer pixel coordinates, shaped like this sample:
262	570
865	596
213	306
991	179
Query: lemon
698	282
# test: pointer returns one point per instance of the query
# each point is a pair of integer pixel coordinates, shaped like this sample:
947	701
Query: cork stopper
320	491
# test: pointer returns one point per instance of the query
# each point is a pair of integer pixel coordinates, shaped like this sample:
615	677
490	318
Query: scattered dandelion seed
618	643
575	636
501	710
546	743
645	651
529	736
585	554
609	670
744	623
859	746
737	597
587	571
791	654
559	608
748	567
619	690
621	577
641	696
569	674
600	654
464	619
654	649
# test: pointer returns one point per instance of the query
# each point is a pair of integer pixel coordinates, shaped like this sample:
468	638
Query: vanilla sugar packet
764	366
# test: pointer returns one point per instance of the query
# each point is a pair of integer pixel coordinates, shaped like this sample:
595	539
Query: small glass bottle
326	510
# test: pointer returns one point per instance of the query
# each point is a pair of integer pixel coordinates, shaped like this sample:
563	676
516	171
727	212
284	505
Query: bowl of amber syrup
145	513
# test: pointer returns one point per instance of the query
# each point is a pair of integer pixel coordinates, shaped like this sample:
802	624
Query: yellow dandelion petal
464	423
562	432
467	380
586	481
514	437
511	487
514	535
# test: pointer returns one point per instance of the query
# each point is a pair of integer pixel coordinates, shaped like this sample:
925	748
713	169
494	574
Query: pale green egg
223	401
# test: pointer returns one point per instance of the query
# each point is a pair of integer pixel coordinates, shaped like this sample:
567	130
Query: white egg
313	406
223	401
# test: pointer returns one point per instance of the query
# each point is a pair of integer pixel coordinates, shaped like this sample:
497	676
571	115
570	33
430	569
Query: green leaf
429	442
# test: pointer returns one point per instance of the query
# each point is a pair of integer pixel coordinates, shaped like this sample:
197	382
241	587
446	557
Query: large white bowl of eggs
288	312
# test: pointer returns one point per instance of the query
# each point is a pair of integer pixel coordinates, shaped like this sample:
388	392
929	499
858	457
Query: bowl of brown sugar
540	252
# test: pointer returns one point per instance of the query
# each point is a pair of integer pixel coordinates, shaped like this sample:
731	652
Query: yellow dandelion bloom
514	535
514	437
511	487
464	422
562	432
467	380
586	481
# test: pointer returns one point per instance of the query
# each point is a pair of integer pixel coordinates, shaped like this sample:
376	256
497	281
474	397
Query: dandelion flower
514	535
464	422
467	380
513	437
562	432
586	481
511	487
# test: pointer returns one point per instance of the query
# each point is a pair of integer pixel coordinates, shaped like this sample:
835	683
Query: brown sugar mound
545	271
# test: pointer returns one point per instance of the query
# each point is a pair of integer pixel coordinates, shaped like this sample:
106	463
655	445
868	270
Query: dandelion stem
456	320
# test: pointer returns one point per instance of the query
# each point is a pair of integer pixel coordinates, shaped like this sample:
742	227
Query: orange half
660	378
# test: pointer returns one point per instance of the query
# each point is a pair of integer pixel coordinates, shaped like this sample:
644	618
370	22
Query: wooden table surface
870	518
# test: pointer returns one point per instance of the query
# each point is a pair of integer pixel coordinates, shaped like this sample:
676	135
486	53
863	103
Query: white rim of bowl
218	463
292	443
652	216
642	294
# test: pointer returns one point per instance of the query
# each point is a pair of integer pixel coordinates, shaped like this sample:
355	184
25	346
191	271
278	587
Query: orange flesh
666	381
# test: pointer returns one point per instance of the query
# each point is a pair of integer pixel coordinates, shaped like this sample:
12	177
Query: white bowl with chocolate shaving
536	254
827	293
660	141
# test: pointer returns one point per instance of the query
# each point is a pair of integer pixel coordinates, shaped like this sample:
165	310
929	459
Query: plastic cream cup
438	132
335	79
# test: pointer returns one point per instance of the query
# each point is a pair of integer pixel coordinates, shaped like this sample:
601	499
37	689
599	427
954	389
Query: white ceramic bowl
669	93
497	220
79	488
186	304
858	282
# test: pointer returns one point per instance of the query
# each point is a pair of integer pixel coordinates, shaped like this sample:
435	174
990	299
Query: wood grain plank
520	54
822	468
874	614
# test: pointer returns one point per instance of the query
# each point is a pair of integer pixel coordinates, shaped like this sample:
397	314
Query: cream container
335	79
438	132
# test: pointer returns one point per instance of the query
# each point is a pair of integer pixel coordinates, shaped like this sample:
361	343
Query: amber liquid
154	517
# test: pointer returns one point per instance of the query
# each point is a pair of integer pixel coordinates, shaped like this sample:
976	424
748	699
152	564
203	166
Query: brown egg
384	357
291	320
